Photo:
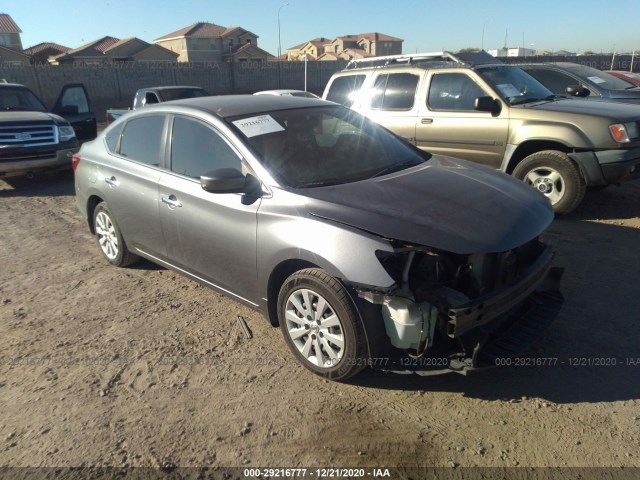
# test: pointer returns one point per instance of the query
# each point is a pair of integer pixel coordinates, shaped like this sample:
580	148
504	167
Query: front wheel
554	174
321	325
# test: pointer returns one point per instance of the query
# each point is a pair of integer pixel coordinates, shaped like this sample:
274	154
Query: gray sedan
362	248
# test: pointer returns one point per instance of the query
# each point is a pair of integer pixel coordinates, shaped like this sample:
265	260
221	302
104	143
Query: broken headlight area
455	307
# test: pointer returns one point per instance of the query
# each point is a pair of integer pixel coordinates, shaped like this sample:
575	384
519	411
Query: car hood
445	203
613	110
11	116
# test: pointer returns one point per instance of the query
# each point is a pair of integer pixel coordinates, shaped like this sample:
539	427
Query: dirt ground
101	366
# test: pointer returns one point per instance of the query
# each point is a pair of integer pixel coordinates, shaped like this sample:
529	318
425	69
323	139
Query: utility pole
280	46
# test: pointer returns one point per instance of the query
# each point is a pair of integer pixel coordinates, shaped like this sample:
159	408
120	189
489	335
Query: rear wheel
110	239
554	174
321	325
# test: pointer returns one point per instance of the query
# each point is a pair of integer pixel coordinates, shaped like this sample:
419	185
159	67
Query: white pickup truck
148	96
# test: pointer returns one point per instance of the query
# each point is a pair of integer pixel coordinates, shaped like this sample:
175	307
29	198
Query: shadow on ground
53	184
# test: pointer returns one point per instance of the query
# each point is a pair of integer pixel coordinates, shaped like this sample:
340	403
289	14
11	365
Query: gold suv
473	107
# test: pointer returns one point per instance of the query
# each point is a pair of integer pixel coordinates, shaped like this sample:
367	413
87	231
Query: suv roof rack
466	58
402	59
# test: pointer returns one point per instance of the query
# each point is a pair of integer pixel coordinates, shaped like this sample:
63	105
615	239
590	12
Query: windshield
515	85
20	99
599	79
328	145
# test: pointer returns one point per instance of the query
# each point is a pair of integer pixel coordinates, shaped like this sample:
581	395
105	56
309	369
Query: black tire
348	359
566	191
109	238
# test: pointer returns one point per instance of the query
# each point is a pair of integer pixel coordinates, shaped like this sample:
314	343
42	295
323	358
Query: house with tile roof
111	49
347	47
41	52
10	33
208	42
137	50
312	48
91	53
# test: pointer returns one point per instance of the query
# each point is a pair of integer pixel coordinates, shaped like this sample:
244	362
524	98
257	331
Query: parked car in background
32	139
153	95
474	107
364	249
630	77
577	80
291	93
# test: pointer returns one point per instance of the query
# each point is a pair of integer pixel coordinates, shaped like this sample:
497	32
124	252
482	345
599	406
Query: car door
209	235
391	103
448	124
129	180
74	105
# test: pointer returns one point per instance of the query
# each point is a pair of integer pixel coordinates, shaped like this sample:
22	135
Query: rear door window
343	89
394	91
142	139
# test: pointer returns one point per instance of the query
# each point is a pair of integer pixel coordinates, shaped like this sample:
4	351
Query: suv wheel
556	176
321	325
110	239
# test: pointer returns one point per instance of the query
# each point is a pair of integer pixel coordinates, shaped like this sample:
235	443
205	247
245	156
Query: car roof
174	87
234	105
277	92
551	64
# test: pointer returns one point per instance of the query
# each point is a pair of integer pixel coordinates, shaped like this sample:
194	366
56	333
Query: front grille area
32	134
20	156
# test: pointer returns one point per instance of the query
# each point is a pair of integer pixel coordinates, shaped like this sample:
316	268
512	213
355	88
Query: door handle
426	121
171	200
111	181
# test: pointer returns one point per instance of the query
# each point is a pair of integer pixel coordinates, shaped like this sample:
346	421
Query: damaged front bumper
478	333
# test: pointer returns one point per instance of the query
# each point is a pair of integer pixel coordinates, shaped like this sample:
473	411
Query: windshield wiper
319	183
395	168
549	98
526	100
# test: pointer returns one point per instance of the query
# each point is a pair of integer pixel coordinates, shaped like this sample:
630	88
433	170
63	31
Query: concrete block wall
114	85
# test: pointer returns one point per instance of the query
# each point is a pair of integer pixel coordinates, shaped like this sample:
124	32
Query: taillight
75	161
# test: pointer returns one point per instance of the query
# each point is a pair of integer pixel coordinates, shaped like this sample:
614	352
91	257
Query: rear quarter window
112	136
343	89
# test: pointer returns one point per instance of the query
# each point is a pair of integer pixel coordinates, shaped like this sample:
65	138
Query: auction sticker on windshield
596	79
260	125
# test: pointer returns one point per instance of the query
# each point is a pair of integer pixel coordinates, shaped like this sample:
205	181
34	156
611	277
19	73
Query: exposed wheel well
277	278
92	203
527	148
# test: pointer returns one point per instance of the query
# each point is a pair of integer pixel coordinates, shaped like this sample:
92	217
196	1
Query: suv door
391	103
448	124
73	105
210	235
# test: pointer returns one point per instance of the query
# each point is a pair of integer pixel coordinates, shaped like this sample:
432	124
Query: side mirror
578	91
223	180
487	104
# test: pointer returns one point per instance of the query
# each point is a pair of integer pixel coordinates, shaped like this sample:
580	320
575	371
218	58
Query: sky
425	25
